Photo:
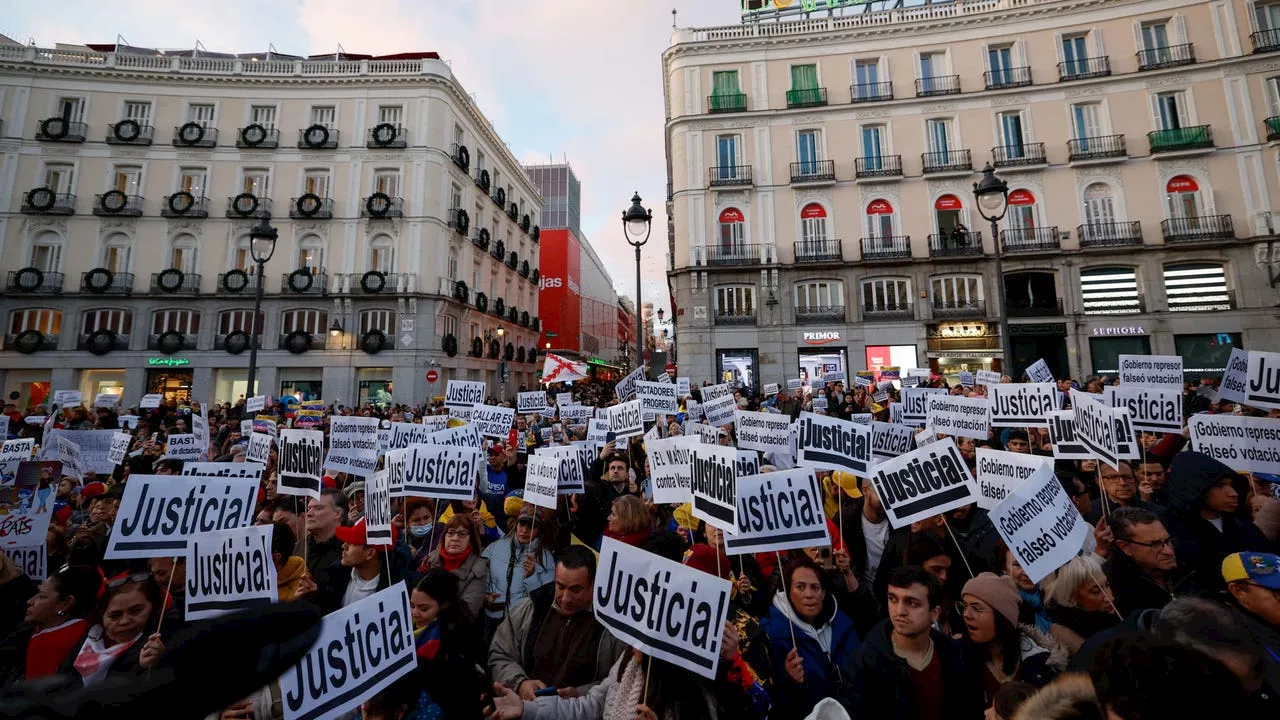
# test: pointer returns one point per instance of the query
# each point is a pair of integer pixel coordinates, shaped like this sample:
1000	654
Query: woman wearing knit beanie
997	649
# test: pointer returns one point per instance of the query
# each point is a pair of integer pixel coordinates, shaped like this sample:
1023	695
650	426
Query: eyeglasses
977	608
136	577
457	534
1154	544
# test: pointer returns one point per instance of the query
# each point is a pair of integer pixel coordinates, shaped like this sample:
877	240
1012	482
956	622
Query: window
880	221
138	111
46	252
116	321
866	76
449	325
451	266
938	134
392	114
316	182
186	322
1196	287
1171	111
192	180
315	322
1267	15
727	156
736	301
201	113
387	182
59	177
1099	207
804	85
881	294
71	109
1075	54
382	254
732	230
455	197
44	321
1086	122
818	295
242	257
459	135
1182	198
1032	292
1109	291
383	320
874	143
127	179
183	254
957	291
117	253
326	115
813	225
1020	218
311	254
264	115
933	68
1206	354
1011	133
1000	63
1155	37
230	321
809	151
256	182
479	162
726	91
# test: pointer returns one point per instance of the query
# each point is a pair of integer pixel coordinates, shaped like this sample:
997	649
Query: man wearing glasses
1143	568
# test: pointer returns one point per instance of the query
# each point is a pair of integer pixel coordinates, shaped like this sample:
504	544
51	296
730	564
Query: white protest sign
671	472
334	678
1160	371
923	483
959	416
353	445
861	380
531	402
895	413
29	497
1040	524
564	398
32	560
708	434
493	420
246	427
68	398
889	440
779	511
652	434
106	400
1021	404
679	620
713	469
434	423
720	411
820	403
1246	444
128	421
747	463
966	378
1095	425
1262	384
542	478
1062	434
200	428
183	447
835	376
463	393
576	413
69	456
828	443
694	409
447	472
241	471
229	570
4	426
626	419
17	450
862	418
794	384
255	403
657	398
377	509
1235	378
1000	473
770	389
625	390
572	467
987	377
259	449
766	432
598	432
711	392
404	434
1039	372
926	437
119	448
915	404
299	461
1154	409
150	401
160	514
94	446
682	386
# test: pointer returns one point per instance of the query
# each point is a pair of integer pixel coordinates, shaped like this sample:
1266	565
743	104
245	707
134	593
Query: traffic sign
432	376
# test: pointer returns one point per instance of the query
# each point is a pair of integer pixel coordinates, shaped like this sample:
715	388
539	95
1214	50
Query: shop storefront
27	389
374	386
1107	344
903	357
1040	341
738	367
964	347
1204	355
302	383
231	384
600	370
172	384
821	352
101	382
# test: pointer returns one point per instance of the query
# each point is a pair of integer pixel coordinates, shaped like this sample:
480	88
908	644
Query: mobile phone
825	554
545	692
611	436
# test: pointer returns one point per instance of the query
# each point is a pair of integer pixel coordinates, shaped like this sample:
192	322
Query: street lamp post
262	245
636	225
992	195
502	369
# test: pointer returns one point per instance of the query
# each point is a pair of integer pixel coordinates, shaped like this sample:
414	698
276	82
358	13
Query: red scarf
453	562
633	539
48	648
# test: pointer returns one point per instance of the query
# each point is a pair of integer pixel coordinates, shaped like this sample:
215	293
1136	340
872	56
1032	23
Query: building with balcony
133	177
821	165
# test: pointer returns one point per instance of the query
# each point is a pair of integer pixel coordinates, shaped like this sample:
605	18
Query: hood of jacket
821	633
1191	474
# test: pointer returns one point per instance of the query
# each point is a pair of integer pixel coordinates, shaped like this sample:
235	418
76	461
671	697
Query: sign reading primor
923	483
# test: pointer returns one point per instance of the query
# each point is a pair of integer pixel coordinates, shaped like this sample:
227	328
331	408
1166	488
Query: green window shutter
725	92
804	77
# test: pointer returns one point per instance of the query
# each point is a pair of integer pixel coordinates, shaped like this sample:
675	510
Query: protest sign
864	378
711	392
447	472
923	483
128	421
766	432
299	462
657	398
309	419
652	434
246	427
106	400
671	474
889	440
598	431
1000	473
1021	404
666	609
572	469
915	404
462	414
259	449
1095	426
200	428
693	409
626	419
542	478
1157	371
265	424
708	434
229	570
663	377
862	418
404	434
834	376
820	403
987	377
564	398
626	389
1062	434
94	446
434	423
748	462
150	401
712	472
183	447
159	514
394	462
575	483
1235	378
377	508
119	447
334	678
778	511
828	443
31	560
1262	381
26	502
255	403
682	386
794	384
68	454
926	437
531	402
67	398
493	421
1246	444
17	450
966	378
770	389
1039	372
463	393
895	412
576	413
222	470
1154	409
720	411
959	416
1040	524
353	445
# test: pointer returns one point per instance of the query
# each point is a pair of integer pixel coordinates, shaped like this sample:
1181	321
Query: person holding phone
518	564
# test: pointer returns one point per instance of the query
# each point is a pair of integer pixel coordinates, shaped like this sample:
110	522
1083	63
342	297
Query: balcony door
727	156
873	144
1086	122
1001	61
813	228
1011	134
733	233
880	222
1183	200
808	151
938	135
1171	111
1075	54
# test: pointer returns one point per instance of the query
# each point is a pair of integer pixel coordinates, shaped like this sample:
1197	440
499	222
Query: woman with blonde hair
1078	598
630	521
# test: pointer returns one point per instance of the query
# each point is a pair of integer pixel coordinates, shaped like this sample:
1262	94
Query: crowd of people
1172	607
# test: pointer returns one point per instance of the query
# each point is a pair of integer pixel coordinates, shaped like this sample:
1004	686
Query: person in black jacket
1143	569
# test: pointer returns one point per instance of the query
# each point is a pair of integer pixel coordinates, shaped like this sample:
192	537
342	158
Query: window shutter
1155	112
1137	36
1020	53
1179	27
1057	46
884	69
1095	40
986	58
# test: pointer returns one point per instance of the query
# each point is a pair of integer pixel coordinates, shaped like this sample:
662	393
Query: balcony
247	205
316	341
304	281
129	132
185	341
60	129
871	92
732	318
951	245
888	312
819	251
947	161
731	102
310	206
45	201
1198	229
241	343
175	282
461	156
1084	68
886	247
938	85
318	137
729	175
819	314
1125	305
1203	301
1196	137
34	281
194	134
1007	78
106	282
1266	40
116	203
1109	234
238	282
1030	240
19	342
740	254
808	97
184	204
382	206
956	310
1101	147
258	137
387	135
1014	156
1272	125
374	283
1166	57
1051	307
119	341
813	171
878	166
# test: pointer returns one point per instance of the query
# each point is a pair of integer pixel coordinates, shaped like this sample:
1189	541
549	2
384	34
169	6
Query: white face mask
420	530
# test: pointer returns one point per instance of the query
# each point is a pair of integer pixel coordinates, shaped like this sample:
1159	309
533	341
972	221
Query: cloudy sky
576	79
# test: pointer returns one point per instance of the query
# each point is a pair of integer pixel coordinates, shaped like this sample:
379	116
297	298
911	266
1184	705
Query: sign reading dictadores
229	570
666	609
923	483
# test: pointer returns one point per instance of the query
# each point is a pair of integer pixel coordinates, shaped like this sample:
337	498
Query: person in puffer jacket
518	565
